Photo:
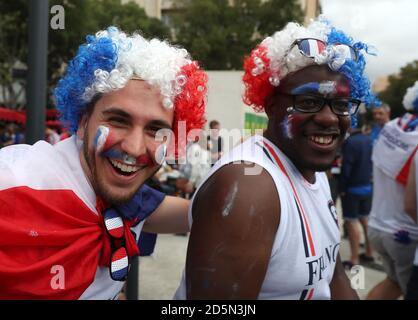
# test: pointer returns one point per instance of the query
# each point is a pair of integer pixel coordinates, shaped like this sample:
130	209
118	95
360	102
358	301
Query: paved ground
159	275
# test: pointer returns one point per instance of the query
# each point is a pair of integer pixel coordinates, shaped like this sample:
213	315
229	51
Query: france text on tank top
307	241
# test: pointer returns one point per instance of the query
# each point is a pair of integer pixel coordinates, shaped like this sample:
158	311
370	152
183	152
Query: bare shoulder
235	219
238	190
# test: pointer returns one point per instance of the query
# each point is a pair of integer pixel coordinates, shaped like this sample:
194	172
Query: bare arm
340	284
169	217
410	202
235	219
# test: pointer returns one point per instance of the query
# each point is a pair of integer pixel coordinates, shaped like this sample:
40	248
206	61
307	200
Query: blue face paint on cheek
286	127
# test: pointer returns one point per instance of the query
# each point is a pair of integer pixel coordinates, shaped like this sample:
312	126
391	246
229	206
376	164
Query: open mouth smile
124	169
323	142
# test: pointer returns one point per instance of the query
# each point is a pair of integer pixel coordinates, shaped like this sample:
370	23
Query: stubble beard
99	186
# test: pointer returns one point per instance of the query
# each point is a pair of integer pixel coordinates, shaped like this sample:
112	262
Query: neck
308	174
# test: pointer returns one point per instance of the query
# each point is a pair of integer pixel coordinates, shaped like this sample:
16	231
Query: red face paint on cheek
342	89
295	122
109	141
144	159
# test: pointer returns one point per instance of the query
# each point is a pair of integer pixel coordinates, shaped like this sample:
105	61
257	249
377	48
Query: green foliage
82	17
13	39
274	15
220	35
394	93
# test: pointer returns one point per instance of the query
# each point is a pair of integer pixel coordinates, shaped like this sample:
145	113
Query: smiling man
71	214
264	225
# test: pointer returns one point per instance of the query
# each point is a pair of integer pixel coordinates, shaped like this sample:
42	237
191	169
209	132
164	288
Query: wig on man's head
410	100
272	60
108	60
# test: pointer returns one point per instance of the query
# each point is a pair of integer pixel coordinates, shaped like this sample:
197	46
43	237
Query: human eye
117	121
308	103
342	105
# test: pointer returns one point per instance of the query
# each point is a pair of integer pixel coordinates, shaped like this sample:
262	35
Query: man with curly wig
264	224
71	214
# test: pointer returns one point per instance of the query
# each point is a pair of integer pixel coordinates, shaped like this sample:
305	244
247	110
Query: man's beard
99	185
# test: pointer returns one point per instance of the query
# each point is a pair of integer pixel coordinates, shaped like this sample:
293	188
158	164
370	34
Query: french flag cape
50	221
395	149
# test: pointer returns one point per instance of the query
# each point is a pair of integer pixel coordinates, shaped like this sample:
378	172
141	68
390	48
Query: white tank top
307	241
416	182
390	153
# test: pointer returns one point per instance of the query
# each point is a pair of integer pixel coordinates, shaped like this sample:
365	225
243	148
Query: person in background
392	233
51	135
381	115
411	205
355	188
215	141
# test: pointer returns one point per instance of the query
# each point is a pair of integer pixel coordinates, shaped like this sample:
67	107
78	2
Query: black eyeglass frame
325	101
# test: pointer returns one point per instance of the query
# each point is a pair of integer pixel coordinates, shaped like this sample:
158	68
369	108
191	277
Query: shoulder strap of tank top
306	232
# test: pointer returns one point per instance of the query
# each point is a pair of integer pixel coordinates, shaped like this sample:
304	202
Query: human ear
82	127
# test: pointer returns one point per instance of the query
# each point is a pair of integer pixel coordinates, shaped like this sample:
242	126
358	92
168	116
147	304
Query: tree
13	38
394	93
82	17
274	15
220	35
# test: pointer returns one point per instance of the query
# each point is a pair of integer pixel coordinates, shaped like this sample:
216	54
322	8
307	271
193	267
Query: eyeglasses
311	104
310	47
119	265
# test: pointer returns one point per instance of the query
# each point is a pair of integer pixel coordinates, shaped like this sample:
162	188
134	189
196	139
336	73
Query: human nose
326	117
134	142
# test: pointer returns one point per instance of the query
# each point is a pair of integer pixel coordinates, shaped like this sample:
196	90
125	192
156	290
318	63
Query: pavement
160	274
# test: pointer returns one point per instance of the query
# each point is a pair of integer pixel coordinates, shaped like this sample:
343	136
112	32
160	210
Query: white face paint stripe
229	200
327	87
102	134
286	126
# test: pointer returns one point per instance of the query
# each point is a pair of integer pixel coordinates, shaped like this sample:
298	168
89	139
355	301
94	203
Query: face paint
114	154
229	201
286	126
324	88
101	138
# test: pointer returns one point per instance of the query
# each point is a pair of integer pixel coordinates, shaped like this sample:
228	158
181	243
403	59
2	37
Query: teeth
321	139
124	167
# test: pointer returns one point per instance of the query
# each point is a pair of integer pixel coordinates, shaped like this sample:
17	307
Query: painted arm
340	284
411	192
169	217
235	219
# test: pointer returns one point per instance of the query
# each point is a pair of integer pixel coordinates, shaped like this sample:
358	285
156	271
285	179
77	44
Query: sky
391	26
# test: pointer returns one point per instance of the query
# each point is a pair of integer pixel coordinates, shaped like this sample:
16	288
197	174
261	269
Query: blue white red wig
272	60
108	60
410	100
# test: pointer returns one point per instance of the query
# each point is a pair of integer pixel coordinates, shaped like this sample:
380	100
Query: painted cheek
294	124
144	160
342	89
103	139
286	126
